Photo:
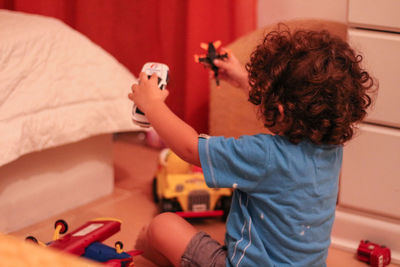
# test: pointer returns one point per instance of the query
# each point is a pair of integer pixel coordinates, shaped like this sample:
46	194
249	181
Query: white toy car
149	68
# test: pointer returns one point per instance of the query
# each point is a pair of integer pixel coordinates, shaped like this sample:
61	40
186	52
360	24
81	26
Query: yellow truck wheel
169	205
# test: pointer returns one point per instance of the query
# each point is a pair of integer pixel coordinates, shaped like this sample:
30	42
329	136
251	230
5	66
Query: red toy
86	241
96	230
373	254
208	59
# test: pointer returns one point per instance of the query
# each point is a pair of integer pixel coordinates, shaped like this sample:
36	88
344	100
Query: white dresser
369	195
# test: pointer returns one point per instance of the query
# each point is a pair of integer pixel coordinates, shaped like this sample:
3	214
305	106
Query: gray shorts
202	250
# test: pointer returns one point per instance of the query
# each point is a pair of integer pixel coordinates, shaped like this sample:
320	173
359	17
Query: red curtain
167	31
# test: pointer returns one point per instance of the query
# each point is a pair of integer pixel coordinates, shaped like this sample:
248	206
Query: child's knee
161	224
163	219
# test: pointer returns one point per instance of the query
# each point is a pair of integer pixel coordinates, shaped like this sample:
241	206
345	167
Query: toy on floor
149	68
86	242
180	187
373	254
208	59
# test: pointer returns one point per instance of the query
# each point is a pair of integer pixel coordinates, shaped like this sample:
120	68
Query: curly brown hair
318	80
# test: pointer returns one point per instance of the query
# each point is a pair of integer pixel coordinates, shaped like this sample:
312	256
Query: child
310	90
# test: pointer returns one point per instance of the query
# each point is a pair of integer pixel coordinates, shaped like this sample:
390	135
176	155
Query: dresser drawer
370	178
373	14
381	51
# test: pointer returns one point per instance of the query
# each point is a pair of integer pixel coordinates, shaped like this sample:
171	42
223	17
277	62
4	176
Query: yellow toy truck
180	187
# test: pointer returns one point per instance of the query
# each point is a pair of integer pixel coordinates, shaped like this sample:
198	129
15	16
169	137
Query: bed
61	99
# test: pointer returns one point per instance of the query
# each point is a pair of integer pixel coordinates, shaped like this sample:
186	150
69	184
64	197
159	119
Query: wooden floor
131	202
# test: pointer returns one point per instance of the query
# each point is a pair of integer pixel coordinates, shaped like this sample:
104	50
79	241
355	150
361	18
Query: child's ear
281	113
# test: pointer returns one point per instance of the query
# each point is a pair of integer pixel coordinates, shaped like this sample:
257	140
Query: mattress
56	86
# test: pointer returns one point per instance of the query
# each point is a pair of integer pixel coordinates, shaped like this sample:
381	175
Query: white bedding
56	86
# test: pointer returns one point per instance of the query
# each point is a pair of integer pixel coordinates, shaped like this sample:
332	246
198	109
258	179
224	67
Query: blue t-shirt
284	198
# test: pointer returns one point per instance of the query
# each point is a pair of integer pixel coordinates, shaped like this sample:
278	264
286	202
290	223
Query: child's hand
232	71
146	92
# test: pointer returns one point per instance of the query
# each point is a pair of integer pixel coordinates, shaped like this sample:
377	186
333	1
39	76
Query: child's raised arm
177	135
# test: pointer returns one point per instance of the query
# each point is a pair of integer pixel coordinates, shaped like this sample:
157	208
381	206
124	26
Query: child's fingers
153	77
221	64
134	87
143	77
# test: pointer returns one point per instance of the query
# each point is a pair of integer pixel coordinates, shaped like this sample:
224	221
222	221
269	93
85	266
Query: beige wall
272	11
